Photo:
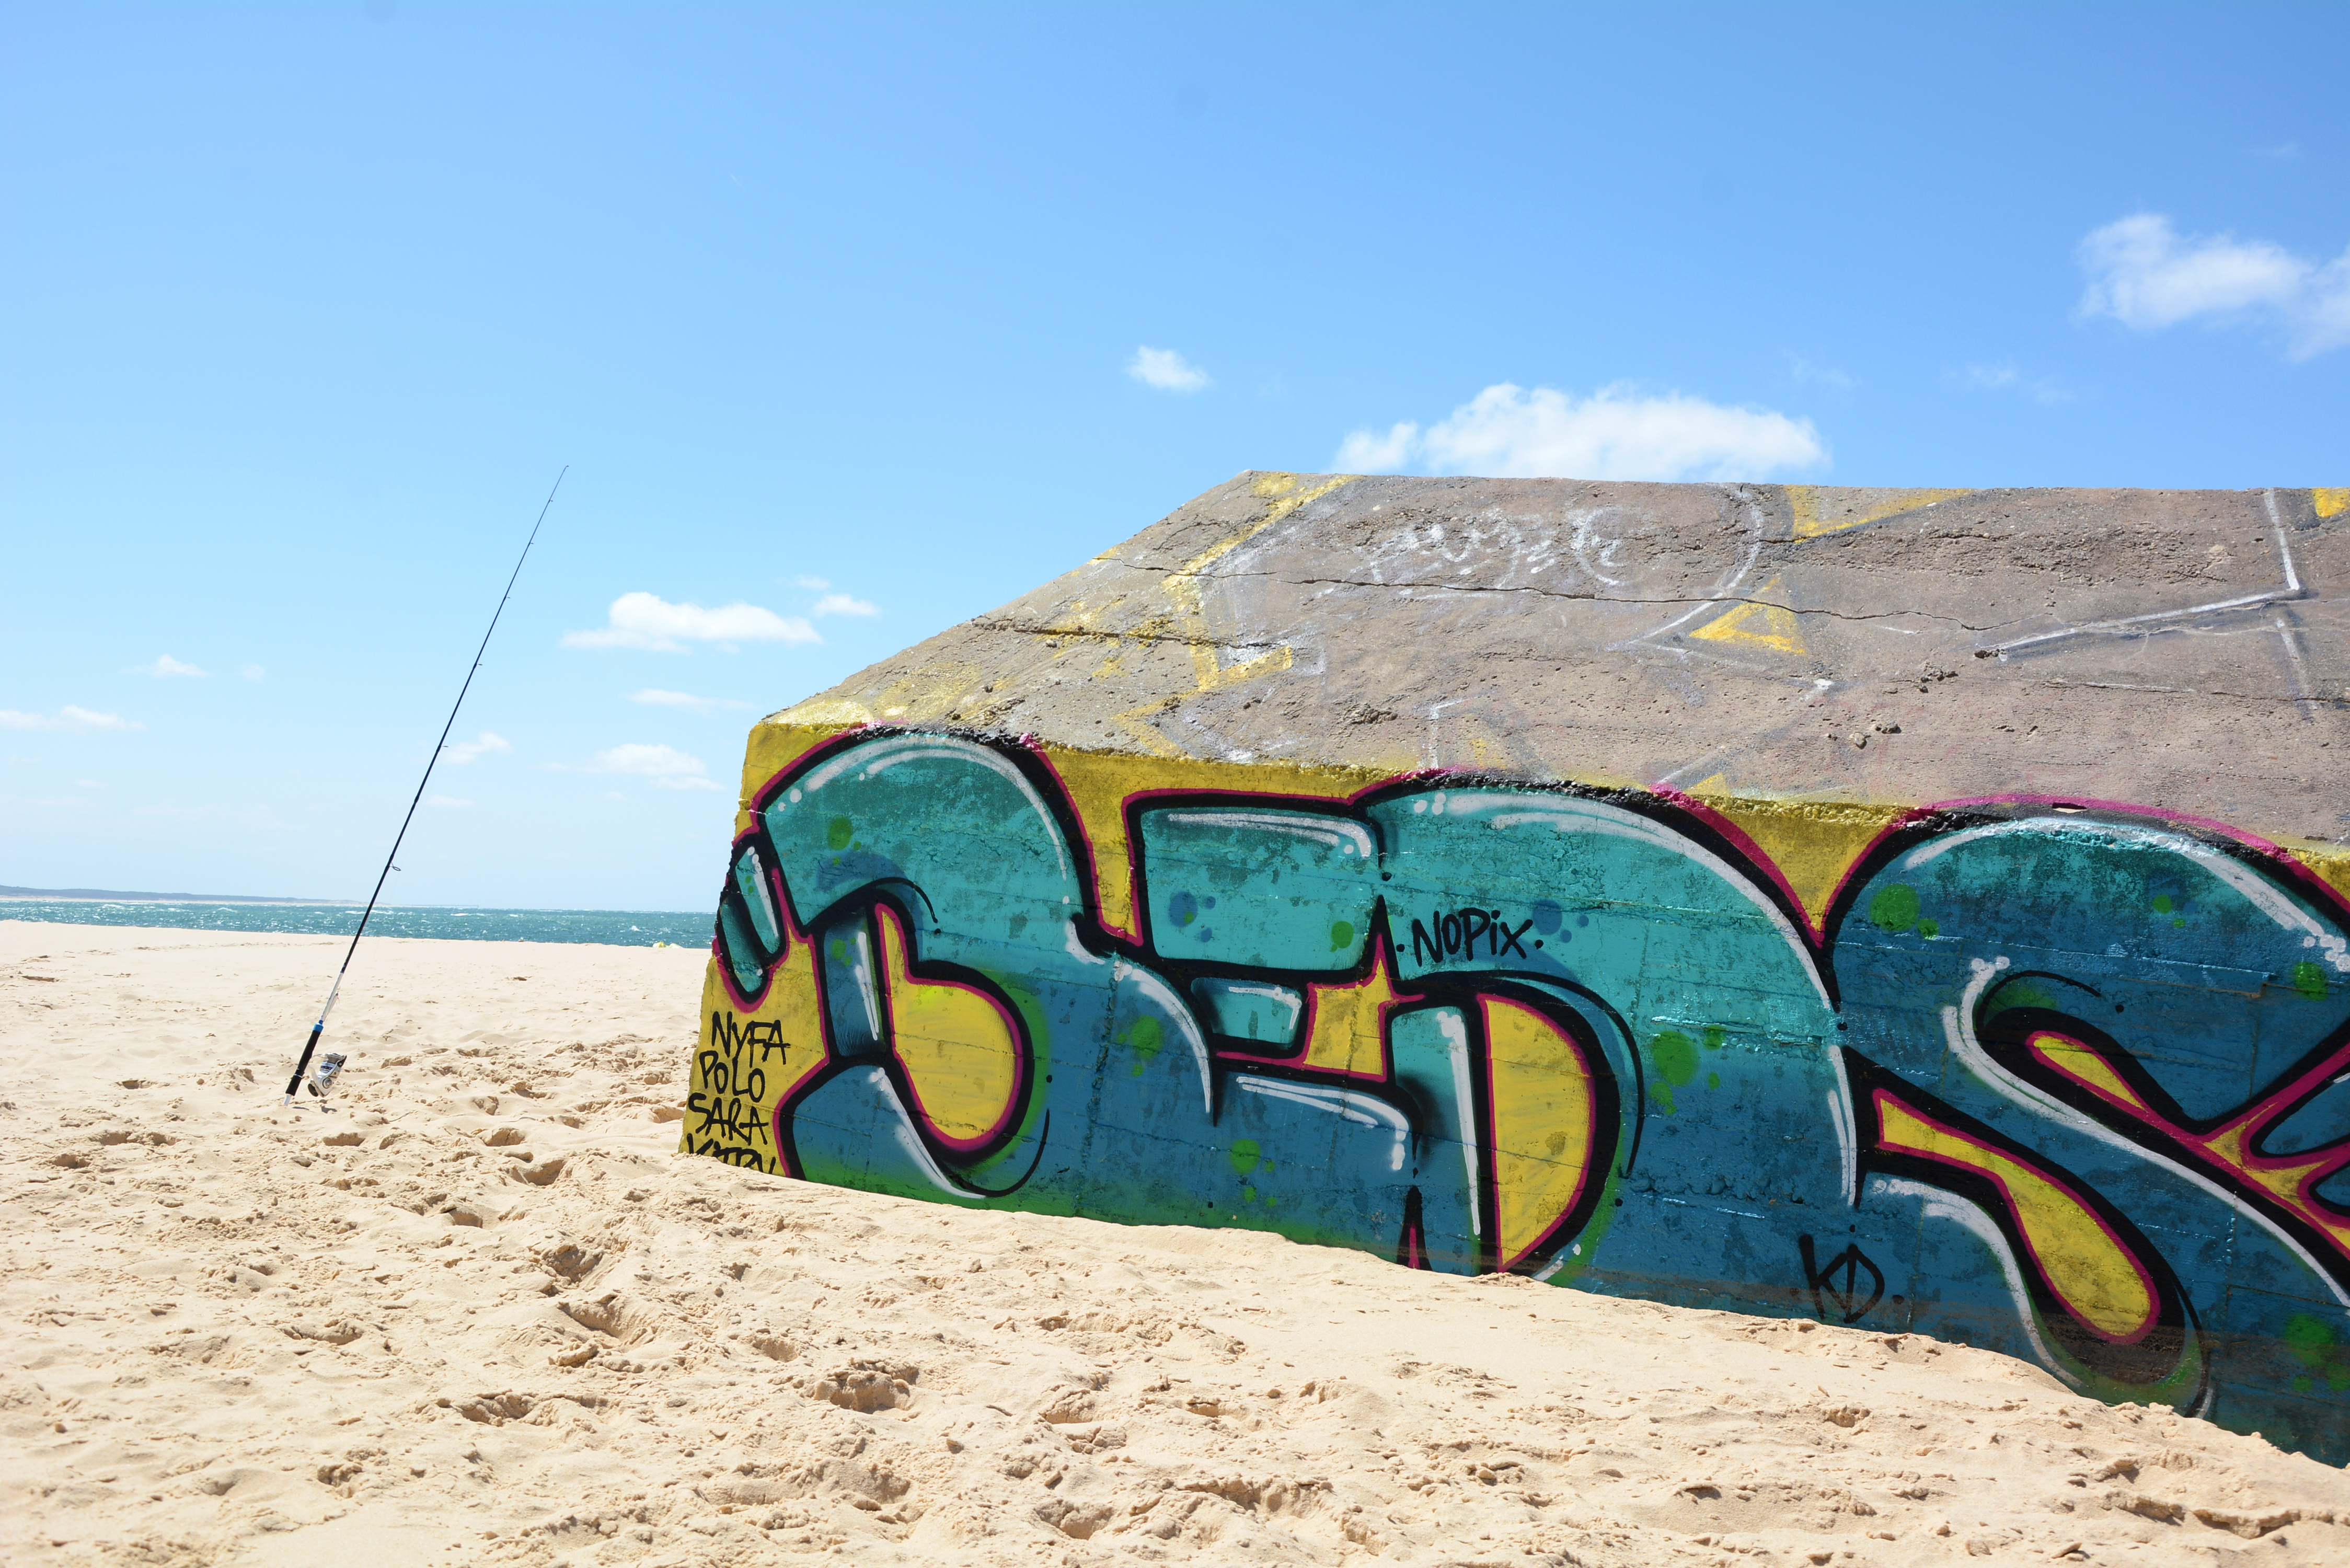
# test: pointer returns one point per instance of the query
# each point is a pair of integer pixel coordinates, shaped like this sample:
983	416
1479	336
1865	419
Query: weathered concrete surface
2186	650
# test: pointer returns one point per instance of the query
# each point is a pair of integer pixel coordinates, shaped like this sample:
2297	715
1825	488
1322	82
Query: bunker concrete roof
2182	651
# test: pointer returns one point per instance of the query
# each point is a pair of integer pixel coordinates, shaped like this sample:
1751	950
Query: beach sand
487	1314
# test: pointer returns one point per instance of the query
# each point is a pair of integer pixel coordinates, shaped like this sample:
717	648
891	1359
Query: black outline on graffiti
1690	822
2272	864
2003	1031
2152	1356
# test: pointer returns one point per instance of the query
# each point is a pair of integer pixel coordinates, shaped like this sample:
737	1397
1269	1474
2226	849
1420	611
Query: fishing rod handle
294	1083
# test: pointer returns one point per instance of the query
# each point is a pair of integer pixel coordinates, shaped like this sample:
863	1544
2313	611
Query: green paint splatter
1714	1036
2309	980
2162	903
1663	1094
1245	1153
1929	928
1266	1169
1675	1055
2178	925
2310	1341
838	833
1713	1080
1143	1034
1248	1196
837	950
2025	994
1341	933
1894	909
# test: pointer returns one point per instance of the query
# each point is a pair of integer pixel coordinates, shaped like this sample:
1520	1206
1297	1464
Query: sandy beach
486	1313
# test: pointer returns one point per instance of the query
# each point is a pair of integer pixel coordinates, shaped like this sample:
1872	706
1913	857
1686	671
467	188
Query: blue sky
838	316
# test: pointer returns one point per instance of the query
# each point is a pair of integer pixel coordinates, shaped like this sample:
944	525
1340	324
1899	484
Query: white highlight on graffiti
861	973
1455	1029
1152	986
762	906
1589	816
873	766
2262	895
1345	837
1958	1030
1848	1136
1345	1103
1936	1204
901	1131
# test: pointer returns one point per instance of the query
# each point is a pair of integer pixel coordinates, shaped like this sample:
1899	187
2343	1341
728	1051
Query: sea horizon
446	922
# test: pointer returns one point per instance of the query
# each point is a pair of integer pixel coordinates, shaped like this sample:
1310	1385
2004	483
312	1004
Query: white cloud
2145	274
1167	370
643	621
658	698
464	752
66	718
2006	377
89	784
450	801
252	672
1508	433
818	583
1805	373
841	604
666	765
164	665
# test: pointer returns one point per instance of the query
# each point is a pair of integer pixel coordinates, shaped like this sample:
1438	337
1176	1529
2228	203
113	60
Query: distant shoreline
111	896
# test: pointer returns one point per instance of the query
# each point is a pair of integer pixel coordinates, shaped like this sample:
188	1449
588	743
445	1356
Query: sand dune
487	1314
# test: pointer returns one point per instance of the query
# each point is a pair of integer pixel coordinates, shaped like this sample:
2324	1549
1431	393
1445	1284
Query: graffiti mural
2070	1082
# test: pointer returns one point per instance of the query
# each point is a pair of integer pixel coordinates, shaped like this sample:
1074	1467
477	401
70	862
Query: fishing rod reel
320	1079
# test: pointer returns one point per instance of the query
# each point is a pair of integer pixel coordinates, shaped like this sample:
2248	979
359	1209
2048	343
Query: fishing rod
333	1064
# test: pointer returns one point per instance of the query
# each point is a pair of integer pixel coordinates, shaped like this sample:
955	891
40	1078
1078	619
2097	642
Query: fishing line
323	1079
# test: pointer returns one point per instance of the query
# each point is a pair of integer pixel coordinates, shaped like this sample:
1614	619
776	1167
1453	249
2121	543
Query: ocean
618	927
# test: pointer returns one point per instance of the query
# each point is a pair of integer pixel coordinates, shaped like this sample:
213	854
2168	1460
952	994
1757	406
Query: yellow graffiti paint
2331	501
2085	1066
748	1062
1543	1124
1809	506
2233	1145
1190	623
1756	624
1346	1030
1100	784
1813	844
2289	1176
2091	1272
957	1044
